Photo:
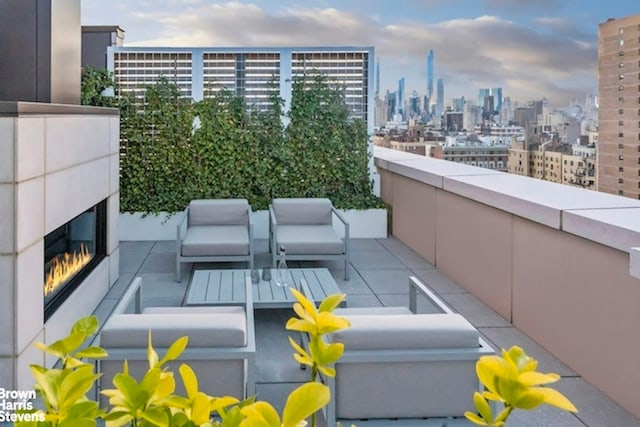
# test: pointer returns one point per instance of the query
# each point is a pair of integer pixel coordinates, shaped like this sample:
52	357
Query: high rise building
377	94
496	93
254	73
440	101
618	152
429	78
400	98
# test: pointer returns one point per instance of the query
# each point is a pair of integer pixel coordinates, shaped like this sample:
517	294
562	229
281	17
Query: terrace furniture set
397	365
222	230
415	369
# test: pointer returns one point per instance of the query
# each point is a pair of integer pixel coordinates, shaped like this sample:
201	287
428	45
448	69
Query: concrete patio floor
379	276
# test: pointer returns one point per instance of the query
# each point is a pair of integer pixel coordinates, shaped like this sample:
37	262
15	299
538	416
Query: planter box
370	223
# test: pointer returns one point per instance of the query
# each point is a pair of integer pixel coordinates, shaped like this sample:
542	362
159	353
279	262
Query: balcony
528	262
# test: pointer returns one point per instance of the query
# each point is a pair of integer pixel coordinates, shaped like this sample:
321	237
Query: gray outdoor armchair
221	348
304	227
406	368
216	230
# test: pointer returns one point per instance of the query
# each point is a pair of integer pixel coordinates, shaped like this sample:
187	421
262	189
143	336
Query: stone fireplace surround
55	162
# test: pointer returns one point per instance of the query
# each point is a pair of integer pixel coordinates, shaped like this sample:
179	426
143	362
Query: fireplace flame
65	266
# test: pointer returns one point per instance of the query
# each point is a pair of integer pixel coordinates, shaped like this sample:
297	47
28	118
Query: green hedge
173	151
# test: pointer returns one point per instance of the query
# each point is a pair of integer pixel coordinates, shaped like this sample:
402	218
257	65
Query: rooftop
379	277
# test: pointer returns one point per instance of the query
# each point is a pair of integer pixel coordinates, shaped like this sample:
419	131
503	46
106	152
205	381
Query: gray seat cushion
203	329
303	211
216	240
219	212
407	331
309	239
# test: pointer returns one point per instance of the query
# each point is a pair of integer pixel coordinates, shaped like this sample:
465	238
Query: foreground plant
513	381
64	390
150	400
316	323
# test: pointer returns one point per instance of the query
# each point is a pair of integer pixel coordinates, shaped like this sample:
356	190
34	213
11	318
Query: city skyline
531	49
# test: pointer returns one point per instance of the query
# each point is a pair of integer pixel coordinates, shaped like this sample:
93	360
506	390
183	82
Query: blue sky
530	48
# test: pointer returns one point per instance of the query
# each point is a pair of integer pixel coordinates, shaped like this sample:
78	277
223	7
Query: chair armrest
415	287
132	293
343	220
180	225
273	223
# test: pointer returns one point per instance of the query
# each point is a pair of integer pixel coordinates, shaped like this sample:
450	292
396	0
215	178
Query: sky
533	49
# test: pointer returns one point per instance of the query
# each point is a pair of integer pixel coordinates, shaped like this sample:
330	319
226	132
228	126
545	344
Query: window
620	181
621	100
620	193
620	122
620	111
621	53
620	30
620	169
620	76
620	146
620	88
621	42
620	134
621	65
620	157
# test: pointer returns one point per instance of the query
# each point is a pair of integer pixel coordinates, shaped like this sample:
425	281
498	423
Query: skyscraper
429	78
400	98
440	101
430	73
377	94
618	158
496	103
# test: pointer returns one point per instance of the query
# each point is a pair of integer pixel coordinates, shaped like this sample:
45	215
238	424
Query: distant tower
429	77
440	101
377	78
400	98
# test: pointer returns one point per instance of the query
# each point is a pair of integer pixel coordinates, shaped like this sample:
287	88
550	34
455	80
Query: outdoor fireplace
71	252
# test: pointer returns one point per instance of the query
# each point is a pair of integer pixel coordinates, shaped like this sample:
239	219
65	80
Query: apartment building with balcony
619	112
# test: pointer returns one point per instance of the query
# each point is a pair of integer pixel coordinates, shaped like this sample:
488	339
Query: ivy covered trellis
174	150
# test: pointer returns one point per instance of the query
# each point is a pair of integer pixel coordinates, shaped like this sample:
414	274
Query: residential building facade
253	73
619	113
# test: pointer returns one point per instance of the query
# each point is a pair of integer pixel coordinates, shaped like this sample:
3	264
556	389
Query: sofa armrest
131	294
417	287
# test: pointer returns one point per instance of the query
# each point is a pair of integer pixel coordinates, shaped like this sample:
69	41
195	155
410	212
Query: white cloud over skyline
545	56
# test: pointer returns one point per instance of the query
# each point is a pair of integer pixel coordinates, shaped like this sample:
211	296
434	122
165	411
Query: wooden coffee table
220	287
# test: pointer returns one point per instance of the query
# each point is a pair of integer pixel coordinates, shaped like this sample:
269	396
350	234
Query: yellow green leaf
327	322
200	410
218	403
533	378
331	302
301	325
327	371
304	401
175	349
483	407
555	398
308	306
474	418
260	414
152	356
156	416
92	353
528	399
189	380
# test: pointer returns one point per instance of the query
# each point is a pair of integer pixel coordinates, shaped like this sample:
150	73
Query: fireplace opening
71	252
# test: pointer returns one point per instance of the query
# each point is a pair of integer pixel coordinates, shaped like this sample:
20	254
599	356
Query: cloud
556	60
